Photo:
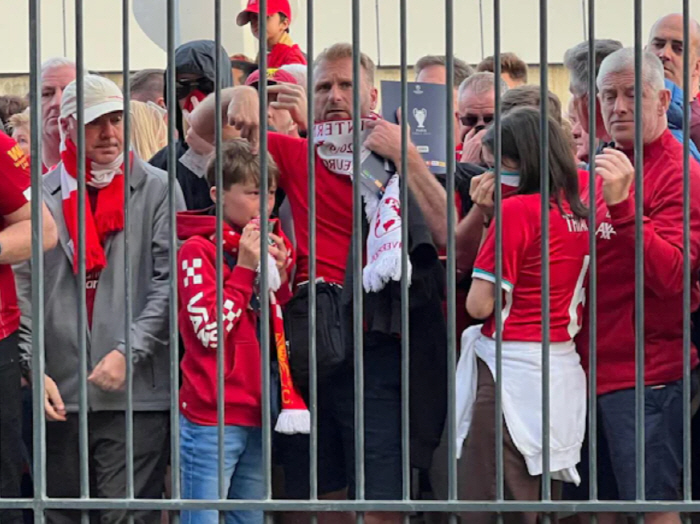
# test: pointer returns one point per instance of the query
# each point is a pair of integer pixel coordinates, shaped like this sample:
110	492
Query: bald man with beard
666	42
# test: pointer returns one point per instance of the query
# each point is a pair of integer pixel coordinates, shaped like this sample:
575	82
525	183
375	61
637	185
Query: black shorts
663	434
336	431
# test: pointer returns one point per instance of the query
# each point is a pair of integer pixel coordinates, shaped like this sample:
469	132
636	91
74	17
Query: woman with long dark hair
521	320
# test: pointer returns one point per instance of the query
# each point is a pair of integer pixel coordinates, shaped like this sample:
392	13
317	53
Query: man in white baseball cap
105	288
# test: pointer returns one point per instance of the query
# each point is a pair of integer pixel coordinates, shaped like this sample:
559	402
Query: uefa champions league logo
420	116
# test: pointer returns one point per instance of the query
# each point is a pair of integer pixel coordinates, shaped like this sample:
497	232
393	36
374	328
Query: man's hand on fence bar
243	114
110	372
617	173
53	403
291	97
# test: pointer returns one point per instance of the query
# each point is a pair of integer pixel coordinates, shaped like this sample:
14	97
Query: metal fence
452	505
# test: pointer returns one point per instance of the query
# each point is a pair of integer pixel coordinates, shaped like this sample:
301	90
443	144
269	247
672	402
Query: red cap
273	6
274	76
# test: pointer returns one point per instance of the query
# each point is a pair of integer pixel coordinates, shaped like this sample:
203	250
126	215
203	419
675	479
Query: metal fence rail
452	505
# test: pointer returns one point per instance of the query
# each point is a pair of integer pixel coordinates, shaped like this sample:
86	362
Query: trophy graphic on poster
420	115
425	113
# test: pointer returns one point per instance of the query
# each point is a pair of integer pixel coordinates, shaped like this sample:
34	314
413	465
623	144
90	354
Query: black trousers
10	426
107	462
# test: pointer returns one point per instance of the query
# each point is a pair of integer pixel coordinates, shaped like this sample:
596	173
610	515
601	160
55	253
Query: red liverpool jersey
522	270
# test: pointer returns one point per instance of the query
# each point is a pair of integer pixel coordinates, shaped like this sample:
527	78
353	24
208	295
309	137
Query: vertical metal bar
405	346
451	265
129	420
498	194
172	201
639	249
220	335
37	198
379	34
687	459
358	217
593	267
544	191
82	313
481	27
264	294
311	165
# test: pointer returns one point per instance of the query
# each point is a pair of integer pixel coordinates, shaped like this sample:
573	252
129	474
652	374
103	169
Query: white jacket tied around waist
522	399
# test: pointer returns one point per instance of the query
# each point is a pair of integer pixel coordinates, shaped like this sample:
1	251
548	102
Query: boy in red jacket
281	49
241	317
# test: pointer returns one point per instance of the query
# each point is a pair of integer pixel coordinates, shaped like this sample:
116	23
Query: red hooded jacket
197	319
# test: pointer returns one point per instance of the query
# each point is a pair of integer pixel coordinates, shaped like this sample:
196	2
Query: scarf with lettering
334	141
294	417
107	217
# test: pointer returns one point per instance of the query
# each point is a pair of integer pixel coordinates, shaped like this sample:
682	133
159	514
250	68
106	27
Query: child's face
242	202
275	26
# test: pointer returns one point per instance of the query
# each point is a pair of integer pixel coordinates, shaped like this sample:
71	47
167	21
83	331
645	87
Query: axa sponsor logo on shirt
605	230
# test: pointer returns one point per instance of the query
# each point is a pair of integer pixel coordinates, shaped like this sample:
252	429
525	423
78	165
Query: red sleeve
14	176
196	281
289	154
283	54
663	233
517	235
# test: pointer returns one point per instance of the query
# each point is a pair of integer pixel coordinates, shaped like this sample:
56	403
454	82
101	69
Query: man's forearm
468	239
16	238
431	196
16	243
202	118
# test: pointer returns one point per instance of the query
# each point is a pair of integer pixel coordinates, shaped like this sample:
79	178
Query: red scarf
189	104
105	219
294	417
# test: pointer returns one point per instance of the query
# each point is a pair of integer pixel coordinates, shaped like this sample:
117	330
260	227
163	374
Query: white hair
576	61
53	63
298	71
480	83
623	60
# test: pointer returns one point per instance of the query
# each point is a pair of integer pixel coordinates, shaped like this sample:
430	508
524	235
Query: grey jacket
149	235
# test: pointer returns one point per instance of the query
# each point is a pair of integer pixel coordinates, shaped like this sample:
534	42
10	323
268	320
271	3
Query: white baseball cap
100	96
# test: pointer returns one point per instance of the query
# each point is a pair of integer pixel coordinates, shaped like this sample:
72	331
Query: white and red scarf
294	417
334	141
107	217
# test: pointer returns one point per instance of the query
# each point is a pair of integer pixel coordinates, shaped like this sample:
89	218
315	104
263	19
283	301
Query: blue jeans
199	467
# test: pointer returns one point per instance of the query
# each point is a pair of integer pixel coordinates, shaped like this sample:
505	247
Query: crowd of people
147	245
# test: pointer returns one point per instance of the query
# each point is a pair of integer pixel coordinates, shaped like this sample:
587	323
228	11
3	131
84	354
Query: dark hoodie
197	58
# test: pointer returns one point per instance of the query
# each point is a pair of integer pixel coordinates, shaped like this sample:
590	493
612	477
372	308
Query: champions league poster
426	117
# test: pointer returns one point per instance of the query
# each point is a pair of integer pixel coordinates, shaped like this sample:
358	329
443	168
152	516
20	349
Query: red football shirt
522	271
333	208
663	272
14	173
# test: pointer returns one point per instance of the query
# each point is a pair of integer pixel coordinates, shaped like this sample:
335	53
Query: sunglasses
185	87
472	120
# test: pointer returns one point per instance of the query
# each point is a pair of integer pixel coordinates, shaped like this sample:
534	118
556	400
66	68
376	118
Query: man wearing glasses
475	110
195	76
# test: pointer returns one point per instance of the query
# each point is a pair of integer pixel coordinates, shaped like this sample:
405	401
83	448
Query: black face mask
185	87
